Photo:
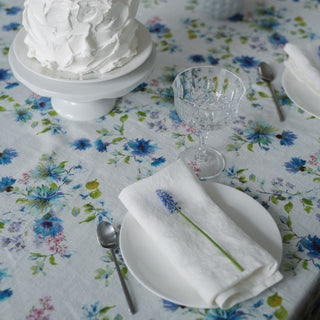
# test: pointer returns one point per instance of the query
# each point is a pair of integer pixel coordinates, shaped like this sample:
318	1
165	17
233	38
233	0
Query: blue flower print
157	162
4	75
259	132
140	87
6	184
101	146
295	165
22	114
197	58
246	61
174	116
13	26
158	28
213	61
81	144
258	304
92	311
237	17
5	294
49	172
43	104
41	199
312	244
286	138
7	155
170	306
268	24
231	172
48	225
4	274
141	147
277	39
13	10
264	11
229	314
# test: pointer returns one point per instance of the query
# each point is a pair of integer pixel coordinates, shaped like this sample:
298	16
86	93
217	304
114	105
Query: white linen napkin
218	281
304	63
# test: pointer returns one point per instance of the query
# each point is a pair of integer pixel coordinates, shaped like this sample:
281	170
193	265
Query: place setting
183	233
171	258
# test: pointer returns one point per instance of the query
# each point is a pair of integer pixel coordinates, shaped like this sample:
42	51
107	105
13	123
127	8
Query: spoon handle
276	101
123	284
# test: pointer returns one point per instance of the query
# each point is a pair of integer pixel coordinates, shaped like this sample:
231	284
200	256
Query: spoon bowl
265	71
107	235
108	238
266	74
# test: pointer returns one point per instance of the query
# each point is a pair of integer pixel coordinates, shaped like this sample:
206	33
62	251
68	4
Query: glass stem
202	152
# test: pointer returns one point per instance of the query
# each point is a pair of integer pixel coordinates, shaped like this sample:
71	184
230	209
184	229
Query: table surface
59	178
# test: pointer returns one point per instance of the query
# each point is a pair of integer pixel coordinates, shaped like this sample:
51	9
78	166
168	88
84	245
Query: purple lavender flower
168	201
173	207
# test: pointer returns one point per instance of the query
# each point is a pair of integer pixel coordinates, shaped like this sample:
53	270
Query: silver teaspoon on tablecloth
267	75
107	237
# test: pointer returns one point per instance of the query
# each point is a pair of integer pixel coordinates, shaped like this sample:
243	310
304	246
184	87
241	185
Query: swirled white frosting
81	36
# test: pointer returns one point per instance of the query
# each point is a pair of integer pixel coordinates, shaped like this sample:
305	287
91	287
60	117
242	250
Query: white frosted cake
81	36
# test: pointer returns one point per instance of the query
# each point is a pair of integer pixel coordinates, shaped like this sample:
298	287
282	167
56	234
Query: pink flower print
193	166
154	83
42	312
189	129
56	244
25	179
313	160
154	20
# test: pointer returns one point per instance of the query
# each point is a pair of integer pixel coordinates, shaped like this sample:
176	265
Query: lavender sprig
173	207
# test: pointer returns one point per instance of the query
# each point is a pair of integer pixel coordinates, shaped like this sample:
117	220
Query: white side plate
301	94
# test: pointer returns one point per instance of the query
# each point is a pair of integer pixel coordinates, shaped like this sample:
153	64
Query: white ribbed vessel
220	9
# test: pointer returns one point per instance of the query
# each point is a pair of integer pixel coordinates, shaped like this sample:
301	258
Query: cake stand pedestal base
82	111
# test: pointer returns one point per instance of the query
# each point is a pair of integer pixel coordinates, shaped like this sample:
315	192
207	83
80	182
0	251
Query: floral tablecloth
59	178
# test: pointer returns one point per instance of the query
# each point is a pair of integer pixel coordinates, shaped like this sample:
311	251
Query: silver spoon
107	237
266	74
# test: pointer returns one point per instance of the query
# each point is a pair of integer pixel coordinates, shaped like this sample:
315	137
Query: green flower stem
209	238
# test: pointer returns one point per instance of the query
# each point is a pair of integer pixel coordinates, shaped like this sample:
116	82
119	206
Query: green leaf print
281	313
288	207
274	300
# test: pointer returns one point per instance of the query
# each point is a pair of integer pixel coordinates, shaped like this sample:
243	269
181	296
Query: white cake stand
91	97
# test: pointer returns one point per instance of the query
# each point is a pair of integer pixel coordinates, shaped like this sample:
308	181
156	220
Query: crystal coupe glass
206	98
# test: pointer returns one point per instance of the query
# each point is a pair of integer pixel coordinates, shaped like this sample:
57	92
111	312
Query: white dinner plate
300	93
151	267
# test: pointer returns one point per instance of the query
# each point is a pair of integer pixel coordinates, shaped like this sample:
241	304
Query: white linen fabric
217	280
304	63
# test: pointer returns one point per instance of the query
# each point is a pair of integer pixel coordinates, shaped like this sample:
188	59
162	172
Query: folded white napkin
304	63
218	281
